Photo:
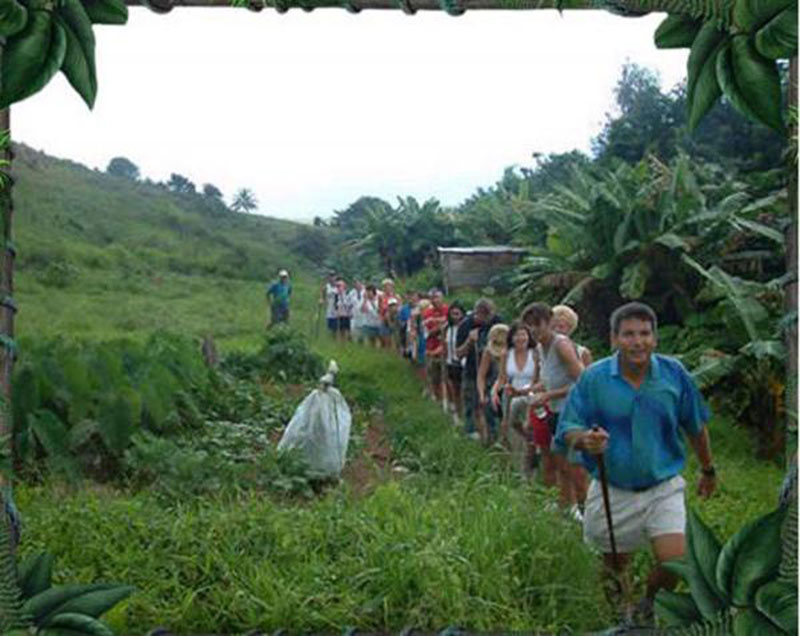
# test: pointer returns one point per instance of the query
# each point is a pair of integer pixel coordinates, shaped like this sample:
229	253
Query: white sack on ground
320	431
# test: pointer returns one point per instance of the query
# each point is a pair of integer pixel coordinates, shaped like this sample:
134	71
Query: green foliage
43	38
88	399
737	581
123	167
733	53
244	201
284	355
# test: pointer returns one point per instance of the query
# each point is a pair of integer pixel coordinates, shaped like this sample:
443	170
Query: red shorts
540	428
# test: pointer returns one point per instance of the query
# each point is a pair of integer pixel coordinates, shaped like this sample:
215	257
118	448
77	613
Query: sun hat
392	301
496	341
283	272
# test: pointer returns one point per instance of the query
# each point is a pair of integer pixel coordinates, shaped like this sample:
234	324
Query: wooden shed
476	266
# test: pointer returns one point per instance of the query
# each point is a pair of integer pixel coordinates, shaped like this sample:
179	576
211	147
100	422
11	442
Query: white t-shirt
354	300
330	301
371	313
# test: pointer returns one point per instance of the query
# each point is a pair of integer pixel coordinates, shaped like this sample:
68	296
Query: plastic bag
320	430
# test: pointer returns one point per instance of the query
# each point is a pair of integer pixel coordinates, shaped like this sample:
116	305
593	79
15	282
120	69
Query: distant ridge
72	216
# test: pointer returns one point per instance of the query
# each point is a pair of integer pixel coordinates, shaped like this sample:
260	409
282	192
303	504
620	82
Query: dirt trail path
373	465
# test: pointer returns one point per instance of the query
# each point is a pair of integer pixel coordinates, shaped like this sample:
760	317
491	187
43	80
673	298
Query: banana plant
746	586
734	46
30	603
43	37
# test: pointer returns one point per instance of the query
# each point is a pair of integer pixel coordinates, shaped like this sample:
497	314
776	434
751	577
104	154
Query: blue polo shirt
644	446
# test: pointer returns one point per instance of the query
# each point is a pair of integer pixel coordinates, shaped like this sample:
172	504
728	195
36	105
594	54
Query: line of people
506	383
529	386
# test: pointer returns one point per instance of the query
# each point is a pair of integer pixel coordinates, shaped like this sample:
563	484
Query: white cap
283	272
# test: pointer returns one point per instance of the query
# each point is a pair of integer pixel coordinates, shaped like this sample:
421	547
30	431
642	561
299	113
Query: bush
284	355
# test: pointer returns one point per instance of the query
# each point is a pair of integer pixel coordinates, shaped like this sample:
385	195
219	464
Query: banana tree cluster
43	37
746	586
733	53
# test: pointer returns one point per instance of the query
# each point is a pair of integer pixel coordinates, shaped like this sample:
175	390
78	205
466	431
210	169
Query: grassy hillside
106	256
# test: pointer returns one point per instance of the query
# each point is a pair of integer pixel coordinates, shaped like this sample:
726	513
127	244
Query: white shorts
637	517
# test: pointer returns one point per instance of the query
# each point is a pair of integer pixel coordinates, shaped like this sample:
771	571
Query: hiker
370	316
488	371
328	300
387	334
518	372
389	324
470	342
632	408
278	295
565	321
355	298
343	310
418	339
403	317
454	367
434	321
558	370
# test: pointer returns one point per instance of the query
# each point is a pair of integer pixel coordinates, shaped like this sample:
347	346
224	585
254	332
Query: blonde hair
568	314
498	333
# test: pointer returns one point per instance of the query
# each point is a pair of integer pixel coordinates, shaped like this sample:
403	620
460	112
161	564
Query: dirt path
373	465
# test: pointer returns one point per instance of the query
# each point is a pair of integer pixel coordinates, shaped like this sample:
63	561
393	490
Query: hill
103	256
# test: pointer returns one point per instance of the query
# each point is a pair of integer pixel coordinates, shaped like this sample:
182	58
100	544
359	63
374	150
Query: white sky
313	110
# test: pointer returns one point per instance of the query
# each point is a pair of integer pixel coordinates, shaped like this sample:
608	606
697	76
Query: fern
11	614
788	567
720	11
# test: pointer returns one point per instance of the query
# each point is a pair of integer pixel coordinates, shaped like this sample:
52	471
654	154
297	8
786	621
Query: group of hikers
608	434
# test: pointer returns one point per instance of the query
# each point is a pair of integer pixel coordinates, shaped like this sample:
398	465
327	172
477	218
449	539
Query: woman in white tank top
519	371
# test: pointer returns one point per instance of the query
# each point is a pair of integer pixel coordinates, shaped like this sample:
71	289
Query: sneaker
475	436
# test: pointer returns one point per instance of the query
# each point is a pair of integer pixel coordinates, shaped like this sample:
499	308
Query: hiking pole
479	419
443	382
601	469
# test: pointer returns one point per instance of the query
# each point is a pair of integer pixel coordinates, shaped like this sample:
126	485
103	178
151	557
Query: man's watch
709	472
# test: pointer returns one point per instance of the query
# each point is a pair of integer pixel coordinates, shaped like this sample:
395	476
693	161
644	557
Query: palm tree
244	201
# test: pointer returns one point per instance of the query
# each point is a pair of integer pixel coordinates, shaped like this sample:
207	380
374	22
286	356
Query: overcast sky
313	110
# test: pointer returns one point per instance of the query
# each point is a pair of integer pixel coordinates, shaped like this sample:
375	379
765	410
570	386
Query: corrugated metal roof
484	249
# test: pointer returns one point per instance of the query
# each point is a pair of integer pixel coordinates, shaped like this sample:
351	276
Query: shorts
339	324
542	430
433	366
454	373
637	517
279	313
370	333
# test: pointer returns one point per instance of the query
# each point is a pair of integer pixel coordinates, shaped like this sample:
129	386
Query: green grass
459	541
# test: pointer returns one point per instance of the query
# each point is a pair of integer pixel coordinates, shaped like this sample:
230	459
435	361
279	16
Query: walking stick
480	421
601	469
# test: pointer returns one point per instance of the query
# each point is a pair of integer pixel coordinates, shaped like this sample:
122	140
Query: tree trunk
791	289
7	305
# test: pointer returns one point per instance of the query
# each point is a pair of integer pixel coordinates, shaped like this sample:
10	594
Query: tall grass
476	555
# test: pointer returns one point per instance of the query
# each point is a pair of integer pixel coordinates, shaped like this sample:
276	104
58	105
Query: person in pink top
434	320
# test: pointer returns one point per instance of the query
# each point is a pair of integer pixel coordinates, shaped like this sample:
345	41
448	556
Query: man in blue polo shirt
633	407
